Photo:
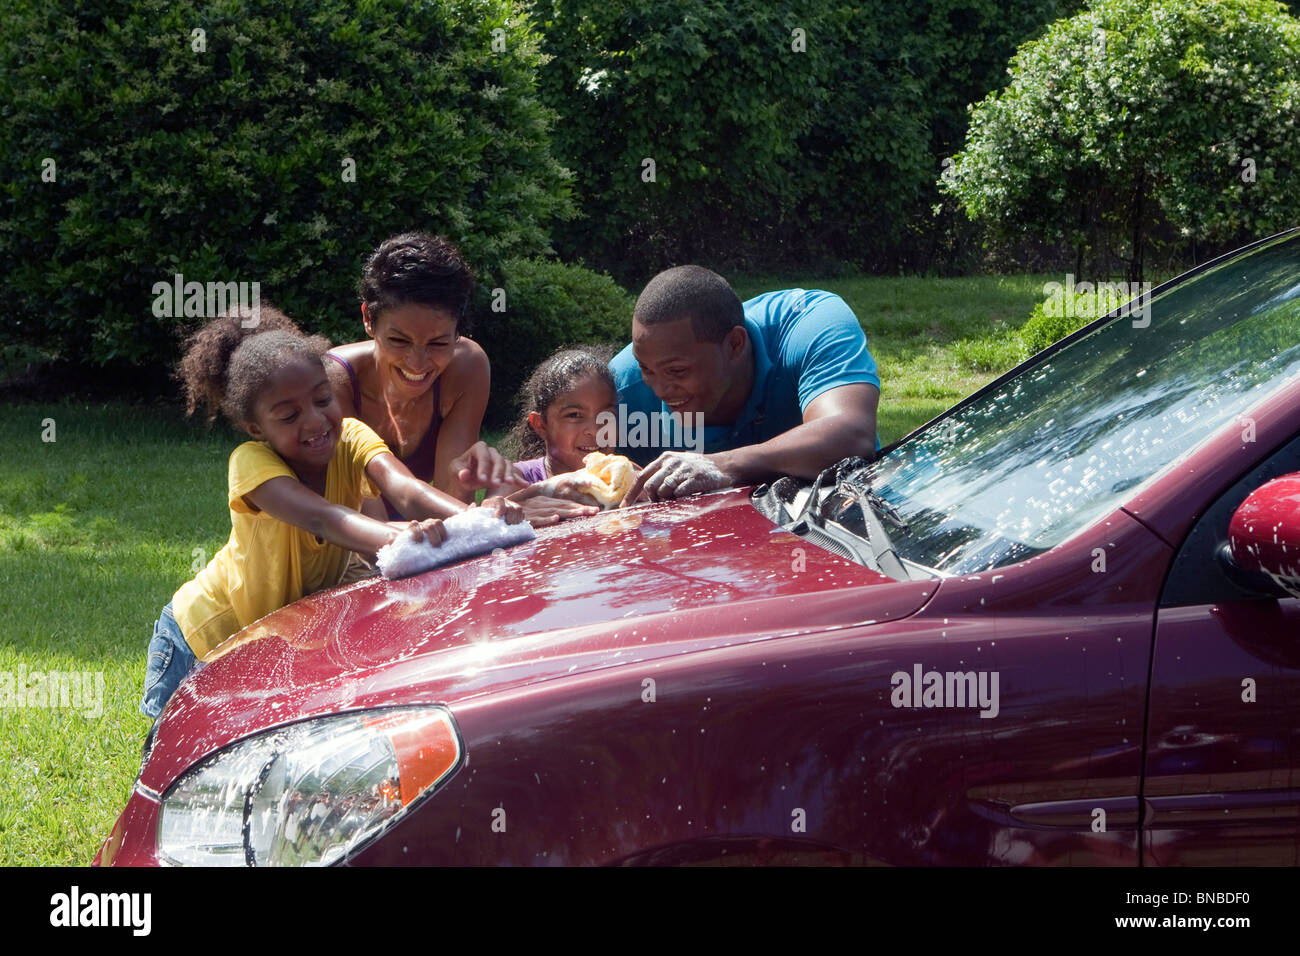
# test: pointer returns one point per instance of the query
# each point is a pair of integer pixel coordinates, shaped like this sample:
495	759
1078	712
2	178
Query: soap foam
472	532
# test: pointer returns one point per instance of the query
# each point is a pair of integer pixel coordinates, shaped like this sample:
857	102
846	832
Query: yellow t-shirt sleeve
251	464
361	446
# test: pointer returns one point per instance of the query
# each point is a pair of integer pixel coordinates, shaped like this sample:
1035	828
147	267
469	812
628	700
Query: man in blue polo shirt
783	384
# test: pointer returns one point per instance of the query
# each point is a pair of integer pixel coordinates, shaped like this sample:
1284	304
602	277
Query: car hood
617	588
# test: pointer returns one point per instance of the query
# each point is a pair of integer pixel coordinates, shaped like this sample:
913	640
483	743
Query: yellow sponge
613	474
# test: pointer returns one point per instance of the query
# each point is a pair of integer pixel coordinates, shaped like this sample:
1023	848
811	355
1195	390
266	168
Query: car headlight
309	793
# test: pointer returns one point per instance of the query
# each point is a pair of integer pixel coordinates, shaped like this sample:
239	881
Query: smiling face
297	414
569	426
690	376
414	344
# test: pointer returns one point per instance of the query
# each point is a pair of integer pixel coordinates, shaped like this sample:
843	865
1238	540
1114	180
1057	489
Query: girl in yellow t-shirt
294	493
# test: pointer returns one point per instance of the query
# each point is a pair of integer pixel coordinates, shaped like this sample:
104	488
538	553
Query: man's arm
838	423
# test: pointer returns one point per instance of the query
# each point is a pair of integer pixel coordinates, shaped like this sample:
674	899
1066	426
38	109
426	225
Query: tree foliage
214	140
781	132
542	306
1135	120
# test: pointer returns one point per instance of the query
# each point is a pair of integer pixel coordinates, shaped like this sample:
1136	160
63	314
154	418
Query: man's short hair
695	293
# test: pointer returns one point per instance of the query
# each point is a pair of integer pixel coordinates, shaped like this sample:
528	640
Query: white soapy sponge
476	531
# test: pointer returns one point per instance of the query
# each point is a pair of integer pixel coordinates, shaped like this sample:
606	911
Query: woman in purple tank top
417	381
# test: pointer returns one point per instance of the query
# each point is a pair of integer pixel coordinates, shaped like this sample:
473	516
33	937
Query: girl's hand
481	466
548	502
430	529
503	508
542	511
574	486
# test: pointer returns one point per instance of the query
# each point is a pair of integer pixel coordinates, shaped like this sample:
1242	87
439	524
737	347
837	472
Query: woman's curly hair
417	268
227	362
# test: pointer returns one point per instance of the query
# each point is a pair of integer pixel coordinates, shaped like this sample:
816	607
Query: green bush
1048	325
1137	119
225	156
547	306
764	156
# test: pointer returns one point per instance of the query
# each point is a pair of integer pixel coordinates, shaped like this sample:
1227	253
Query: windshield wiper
831	472
853	487
856	488
848	476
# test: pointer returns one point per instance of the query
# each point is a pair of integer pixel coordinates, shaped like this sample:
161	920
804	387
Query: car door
1222	764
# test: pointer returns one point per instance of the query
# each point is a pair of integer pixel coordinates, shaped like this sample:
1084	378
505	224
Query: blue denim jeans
170	659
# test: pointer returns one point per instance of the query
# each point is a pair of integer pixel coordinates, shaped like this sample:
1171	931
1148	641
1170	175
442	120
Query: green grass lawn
935	340
99	527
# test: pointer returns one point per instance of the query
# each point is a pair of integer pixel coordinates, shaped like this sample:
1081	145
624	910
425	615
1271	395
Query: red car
1021	635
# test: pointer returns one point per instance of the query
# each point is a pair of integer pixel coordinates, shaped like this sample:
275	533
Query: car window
1078	431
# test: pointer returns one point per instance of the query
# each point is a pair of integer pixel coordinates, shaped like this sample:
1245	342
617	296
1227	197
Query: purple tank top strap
352	377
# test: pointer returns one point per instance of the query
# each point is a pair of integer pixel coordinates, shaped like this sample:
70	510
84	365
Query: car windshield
1076	433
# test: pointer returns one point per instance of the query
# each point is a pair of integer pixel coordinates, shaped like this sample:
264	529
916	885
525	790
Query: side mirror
1264	534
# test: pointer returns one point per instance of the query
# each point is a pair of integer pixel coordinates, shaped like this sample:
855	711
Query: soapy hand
430	529
553	500
676	474
503	508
